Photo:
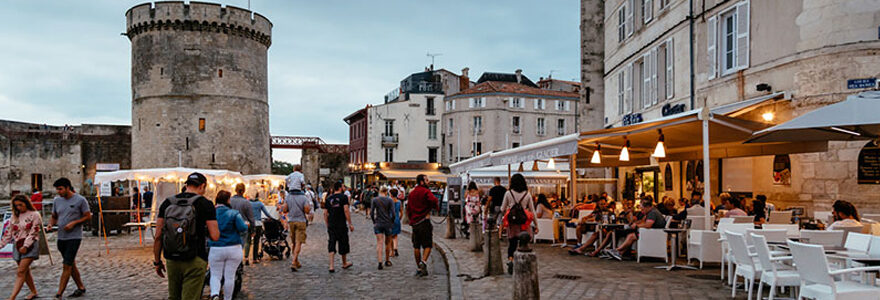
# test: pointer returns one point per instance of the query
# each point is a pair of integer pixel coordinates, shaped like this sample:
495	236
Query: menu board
869	164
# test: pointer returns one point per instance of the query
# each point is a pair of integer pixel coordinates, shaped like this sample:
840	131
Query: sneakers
510	267
423	269
615	254
215	297
77	293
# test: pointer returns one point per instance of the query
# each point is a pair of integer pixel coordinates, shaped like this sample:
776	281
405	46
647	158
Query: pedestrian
496	198
296	181
398	211
188	214
259	209
313	198
336	216
225	255
24	232
298	208
243	206
148	198
69	212
517	207
472	204
421	202
383	221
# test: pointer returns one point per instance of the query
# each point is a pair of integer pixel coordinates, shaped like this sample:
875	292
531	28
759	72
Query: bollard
476	237
525	271
492	263
450	227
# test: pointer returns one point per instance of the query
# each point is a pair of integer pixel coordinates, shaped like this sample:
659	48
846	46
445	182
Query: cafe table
675	233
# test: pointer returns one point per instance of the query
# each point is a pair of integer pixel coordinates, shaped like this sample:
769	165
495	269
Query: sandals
77	293
32	297
347	266
332	271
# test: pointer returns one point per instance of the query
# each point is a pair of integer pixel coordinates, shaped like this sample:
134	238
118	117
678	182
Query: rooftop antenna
433	55
551	74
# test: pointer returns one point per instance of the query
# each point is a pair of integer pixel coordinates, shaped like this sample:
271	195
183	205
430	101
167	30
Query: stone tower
591	112
199	86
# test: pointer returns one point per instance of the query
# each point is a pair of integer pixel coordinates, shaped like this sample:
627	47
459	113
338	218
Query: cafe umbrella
856	118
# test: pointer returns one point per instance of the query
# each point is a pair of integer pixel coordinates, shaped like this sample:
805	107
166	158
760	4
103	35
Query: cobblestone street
127	272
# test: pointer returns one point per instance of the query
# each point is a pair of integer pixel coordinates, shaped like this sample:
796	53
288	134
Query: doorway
36	182
649	182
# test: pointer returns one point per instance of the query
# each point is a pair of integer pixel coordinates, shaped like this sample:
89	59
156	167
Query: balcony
389	140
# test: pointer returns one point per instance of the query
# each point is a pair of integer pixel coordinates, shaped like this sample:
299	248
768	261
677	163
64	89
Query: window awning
433	175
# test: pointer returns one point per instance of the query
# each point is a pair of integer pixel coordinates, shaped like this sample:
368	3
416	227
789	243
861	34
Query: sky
65	62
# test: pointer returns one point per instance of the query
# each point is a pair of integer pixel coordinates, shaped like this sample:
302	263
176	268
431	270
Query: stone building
784	57
502	111
33	156
199	86
591	111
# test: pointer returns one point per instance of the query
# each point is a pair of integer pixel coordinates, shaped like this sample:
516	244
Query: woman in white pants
226	253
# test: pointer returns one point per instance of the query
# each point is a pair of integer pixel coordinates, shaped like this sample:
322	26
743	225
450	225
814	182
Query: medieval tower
199	87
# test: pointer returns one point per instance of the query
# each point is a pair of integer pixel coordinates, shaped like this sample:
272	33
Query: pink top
24	228
736	212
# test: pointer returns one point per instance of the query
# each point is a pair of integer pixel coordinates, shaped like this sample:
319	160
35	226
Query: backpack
517	214
179	232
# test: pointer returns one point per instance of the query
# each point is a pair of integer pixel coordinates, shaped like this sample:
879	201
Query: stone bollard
476	237
525	271
492	263
450	226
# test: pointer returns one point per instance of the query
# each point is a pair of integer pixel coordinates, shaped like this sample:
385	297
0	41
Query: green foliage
281	167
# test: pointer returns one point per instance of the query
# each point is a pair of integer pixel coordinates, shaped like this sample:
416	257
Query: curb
455	287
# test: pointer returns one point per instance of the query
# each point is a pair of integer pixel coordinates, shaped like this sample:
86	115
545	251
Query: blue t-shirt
69	210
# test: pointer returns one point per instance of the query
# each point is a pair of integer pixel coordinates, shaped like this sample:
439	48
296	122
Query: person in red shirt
37	200
418	208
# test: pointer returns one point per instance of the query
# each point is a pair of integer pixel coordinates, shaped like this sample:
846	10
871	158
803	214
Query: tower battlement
198	16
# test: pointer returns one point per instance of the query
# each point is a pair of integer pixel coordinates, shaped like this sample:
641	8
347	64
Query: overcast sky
66	62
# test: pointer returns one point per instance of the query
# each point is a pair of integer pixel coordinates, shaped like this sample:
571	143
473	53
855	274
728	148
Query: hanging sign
869	164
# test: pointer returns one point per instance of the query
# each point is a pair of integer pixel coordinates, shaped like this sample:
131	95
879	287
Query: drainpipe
691	46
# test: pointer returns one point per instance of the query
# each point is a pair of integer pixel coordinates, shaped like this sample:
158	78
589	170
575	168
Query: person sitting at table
651	218
595	216
626	216
725	202
542	209
736	208
845	215
759	212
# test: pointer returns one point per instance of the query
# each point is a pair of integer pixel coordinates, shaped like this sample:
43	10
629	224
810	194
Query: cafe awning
555	147
433	175
856	118
478	161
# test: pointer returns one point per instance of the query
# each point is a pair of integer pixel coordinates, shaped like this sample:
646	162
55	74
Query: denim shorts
386	230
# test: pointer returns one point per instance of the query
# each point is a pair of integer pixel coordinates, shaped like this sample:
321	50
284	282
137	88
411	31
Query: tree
281	167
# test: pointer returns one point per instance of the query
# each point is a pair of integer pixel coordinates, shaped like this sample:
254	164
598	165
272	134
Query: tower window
220	73
201	124
161	71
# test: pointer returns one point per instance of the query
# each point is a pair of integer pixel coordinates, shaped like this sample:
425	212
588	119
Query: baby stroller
274	239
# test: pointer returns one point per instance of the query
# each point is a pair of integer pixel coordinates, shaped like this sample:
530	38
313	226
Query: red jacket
421	202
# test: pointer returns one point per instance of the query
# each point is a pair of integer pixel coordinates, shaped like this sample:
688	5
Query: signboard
669	109
106	167
106	189
869	164
782	170
632	119
862	83
324	171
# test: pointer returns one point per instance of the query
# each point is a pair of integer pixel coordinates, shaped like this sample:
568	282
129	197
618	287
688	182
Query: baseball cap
196	179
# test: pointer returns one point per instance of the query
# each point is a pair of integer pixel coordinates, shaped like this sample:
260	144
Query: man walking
337	216
383	221
493	204
421	202
298	208
259	209
243	206
148	198
70	211
183	223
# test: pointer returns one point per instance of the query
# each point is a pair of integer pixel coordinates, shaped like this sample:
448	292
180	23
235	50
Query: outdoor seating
875	217
791	230
698	222
726	255
746	266
857	242
725	221
823	237
780	217
824	216
704	245
652	243
743	219
818	281
545	230
775	273
772	235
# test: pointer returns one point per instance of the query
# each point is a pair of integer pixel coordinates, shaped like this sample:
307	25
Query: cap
196	179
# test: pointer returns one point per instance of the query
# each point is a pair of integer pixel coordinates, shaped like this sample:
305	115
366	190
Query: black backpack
517	214
179	233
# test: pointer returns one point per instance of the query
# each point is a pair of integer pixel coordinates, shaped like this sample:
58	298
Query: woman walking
398	211
472	205
24	231
519	212
226	253
382	214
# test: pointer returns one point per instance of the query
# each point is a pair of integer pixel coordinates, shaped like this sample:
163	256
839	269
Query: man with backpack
421	202
183	223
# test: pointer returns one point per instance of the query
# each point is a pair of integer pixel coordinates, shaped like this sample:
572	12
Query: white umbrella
856	118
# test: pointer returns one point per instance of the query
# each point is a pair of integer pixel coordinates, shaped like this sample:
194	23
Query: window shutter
742	35
482	102
649	10
509	102
536	104
543	104
621	91
628	82
655	85
567	105
670	62
629	17
471	103
645	80
711	43
638	14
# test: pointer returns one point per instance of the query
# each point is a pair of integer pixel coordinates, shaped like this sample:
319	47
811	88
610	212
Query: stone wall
591	108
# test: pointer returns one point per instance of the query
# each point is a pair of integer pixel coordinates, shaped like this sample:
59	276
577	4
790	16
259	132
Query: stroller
274	240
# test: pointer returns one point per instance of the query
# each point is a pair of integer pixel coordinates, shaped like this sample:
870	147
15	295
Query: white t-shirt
844	223
295	181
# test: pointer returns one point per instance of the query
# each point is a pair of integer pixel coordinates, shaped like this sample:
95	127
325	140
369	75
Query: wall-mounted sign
324	171
862	83
669	109
782	170
869	164
106	167
106	189
633	118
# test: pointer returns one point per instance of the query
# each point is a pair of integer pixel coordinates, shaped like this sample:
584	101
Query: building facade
504	111
800	54
199	86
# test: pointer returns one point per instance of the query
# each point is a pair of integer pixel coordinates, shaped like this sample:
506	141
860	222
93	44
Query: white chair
746	265
822	215
726	255
652	242
725	221
698	222
874	247
703	245
772	235
823	237
875	217
791	230
774	272
780	217
857	242
743	219
818	281
545	230
571	232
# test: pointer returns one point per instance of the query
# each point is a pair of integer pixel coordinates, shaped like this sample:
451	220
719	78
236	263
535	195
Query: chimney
518	75
464	81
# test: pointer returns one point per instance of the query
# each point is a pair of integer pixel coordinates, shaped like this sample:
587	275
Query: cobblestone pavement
599	278
126	273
